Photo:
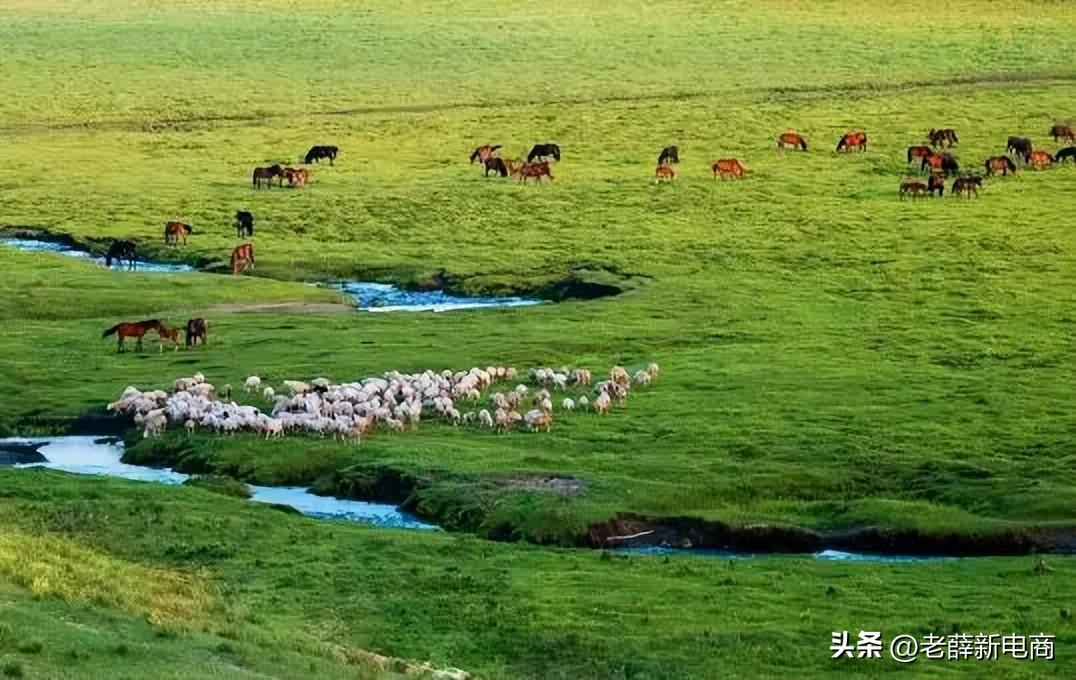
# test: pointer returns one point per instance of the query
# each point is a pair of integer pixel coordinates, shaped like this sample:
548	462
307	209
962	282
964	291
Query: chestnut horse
196	328
791	140
484	153
944	137
914	188
176	232
536	170
297	177
727	167
1040	159
266	175
664	173
853	140
1002	164
936	183
242	257
1060	131
138	330
967	186
940	162
919	152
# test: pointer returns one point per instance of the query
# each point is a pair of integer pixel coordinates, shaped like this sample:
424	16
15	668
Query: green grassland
832	356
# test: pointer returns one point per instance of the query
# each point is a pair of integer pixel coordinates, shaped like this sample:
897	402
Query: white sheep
252	383
538	420
641	378
568	404
485	419
583	401
602	403
269	394
653	369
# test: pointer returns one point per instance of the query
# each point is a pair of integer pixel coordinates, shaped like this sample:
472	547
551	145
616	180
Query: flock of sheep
395	401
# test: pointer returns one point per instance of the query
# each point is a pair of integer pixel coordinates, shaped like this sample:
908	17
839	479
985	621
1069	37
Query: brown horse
176	233
967	186
138	330
242	257
1060	131
853	140
1040	159
196	328
940	162
484	152
297	177
727	167
943	137
791	140
1002	164
919	152
914	188
266	175
536	170
664	173
936	182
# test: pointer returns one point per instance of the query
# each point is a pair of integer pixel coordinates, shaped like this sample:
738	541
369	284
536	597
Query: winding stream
37	246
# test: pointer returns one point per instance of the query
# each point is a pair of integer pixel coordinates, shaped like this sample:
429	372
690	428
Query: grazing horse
484	153
1067	152
121	251
943	137
791	140
669	155
495	164
936	183
853	140
244	224
727	167
915	188
266	175
297	177
1020	146
967	186
919	152
138	330
1040	159
940	162
1060	131
664	173
196	328
1002	164
176	233
242	257
316	153
544	151
536	170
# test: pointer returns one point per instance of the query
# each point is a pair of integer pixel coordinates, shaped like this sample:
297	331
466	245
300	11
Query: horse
484	153
1059	131
536	170
1067	152
244	223
967	186
544	151
1002	164
1020	146
121	251
943	137
669	155
137	330
853	140
176	232
727	167
266	175
915	188
496	165
242	257
513	165
791	140
297	177
1040	159
664	173
936	183
196	328
919	152
940	162
316	153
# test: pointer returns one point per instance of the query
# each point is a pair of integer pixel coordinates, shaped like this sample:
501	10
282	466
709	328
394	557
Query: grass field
832	356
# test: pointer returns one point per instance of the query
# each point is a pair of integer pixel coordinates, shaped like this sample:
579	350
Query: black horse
1067	152
497	165
1021	146
544	151
121	251
316	153
244	224
669	154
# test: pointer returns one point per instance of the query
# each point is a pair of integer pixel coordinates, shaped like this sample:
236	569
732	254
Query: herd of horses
196	329
534	165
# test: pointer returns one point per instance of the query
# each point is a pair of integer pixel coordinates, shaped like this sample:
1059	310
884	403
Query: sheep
198	377
538	420
653	369
190	425
226	391
269	394
580	377
485	419
297	387
252	383
619	375
568	404
540	396
560	381
602	403
545	405
274	428
583	401
641	378
506	420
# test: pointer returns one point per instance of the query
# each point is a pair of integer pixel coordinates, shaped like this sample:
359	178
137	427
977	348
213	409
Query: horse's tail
254	179
840	144
556	155
474	155
909	154
111	331
803	143
188	228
